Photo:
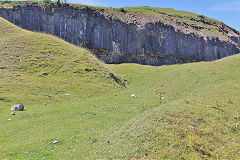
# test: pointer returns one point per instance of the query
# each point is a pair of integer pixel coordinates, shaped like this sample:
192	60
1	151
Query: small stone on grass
133	96
18	107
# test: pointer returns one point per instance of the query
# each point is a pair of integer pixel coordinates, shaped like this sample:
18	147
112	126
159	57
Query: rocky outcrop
116	41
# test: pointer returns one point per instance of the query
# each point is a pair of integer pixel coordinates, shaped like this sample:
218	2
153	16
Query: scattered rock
13	113
67	94
55	142
18	107
9	119
133	96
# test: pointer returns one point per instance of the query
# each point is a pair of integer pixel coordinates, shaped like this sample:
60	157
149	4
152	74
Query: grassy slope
76	121
198	116
26	56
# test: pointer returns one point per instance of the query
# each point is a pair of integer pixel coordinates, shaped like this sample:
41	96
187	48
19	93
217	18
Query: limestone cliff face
116	41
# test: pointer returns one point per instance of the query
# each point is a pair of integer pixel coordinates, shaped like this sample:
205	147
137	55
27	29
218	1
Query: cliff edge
144	35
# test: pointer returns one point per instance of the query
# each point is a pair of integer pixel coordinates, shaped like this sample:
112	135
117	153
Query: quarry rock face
112	40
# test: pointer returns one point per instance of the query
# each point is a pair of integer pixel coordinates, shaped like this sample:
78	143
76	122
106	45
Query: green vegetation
198	116
36	67
188	111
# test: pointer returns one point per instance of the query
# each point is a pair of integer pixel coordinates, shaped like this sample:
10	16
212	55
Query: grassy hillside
197	117
38	68
189	111
49	76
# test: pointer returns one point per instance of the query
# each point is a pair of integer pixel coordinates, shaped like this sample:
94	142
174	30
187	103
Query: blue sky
227	11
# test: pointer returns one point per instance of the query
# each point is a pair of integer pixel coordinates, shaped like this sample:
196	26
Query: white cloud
232	6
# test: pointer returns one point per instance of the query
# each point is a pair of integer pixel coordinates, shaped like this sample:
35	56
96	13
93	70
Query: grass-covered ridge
39	67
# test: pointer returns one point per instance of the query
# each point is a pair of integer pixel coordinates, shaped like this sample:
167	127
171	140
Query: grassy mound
197	117
38	68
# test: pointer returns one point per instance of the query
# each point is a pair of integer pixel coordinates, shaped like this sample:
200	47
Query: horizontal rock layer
115	41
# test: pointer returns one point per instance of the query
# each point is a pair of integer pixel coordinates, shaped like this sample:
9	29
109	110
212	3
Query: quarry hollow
121	37
59	101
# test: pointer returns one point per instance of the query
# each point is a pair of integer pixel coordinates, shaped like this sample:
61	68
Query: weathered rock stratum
116	36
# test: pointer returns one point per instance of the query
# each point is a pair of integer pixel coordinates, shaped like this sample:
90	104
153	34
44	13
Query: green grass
189	111
26	57
198	117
